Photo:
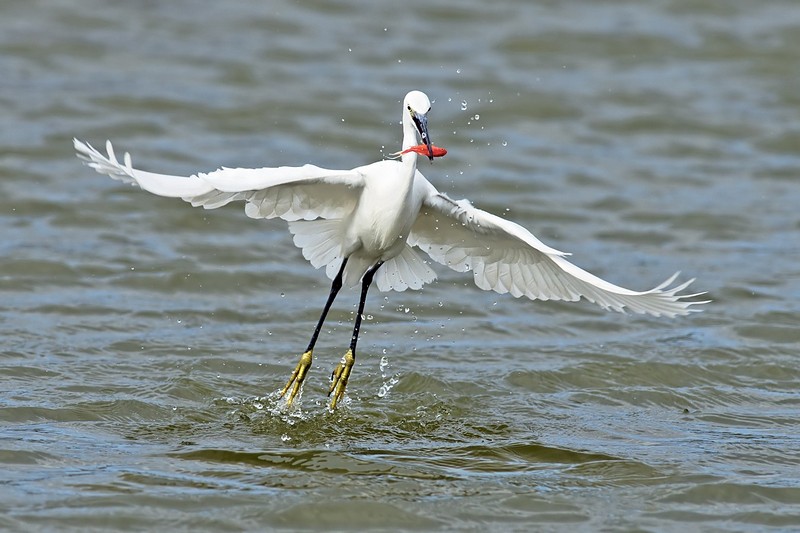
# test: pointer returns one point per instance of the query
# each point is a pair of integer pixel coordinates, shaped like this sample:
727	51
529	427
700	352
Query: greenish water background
144	341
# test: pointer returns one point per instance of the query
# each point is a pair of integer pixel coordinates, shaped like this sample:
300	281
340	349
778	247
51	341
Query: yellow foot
340	376
297	378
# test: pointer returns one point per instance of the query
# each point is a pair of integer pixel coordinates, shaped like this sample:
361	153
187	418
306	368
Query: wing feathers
291	193
405	271
160	184
320	240
503	256
507	258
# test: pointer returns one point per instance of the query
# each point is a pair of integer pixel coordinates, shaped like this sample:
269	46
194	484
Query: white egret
364	224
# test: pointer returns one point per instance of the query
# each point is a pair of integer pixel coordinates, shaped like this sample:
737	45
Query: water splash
387	384
270	406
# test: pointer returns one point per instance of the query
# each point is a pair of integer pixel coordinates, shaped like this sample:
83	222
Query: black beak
421	122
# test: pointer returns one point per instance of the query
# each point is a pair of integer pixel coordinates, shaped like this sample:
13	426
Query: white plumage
372	220
318	203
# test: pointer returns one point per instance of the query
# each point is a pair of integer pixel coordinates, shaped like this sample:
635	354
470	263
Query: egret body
365	225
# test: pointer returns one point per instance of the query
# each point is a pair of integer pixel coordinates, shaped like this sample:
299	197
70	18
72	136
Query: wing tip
105	164
662	300
671	303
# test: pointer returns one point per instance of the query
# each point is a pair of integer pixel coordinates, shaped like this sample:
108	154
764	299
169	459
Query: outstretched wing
507	258
291	193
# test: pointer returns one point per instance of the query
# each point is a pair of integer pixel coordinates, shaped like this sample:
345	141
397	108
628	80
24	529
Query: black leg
336	286
304	364
342	372
365	283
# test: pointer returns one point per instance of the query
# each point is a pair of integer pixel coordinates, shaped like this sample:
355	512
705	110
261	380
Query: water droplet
463	105
504	143
476	117
458	71
285	438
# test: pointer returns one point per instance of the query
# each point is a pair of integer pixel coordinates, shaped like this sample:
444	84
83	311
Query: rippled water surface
145	341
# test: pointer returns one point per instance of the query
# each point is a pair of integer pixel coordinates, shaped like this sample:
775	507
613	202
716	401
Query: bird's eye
409	109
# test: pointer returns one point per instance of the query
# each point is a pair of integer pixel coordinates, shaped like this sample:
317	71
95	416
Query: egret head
417	105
